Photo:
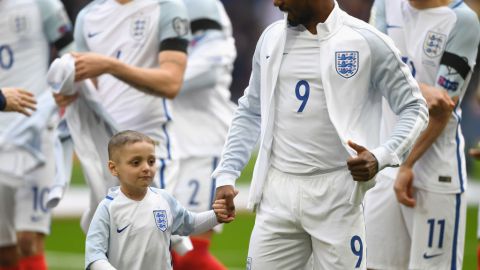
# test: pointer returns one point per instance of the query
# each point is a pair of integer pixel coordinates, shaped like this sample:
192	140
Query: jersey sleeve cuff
385	158
225	179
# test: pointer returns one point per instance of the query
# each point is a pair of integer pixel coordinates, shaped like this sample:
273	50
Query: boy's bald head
119	140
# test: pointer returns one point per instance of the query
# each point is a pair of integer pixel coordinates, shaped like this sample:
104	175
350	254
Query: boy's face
134	165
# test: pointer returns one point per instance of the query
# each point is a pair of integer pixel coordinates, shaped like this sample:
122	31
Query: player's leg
478	237
278	240
336	226
32	217
8	247
387	235
438	231
195	190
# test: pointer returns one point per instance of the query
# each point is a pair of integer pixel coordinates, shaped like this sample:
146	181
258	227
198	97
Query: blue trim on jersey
214	182
167	137
165	108
457	140
162	173
455	232
455	5
109	198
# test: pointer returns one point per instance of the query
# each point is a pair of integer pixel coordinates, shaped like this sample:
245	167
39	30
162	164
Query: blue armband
3	101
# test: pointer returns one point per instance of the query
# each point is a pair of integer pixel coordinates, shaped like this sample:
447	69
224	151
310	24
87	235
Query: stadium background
65	247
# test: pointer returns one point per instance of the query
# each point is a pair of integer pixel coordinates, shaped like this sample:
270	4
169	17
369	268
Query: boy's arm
96	247
185	222
102	265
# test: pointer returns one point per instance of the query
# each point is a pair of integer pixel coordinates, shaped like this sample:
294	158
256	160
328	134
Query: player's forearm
164	81
436	125
204	221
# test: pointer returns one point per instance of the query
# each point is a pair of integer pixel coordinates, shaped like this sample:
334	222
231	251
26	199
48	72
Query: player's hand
90	65
228	193
404	186
63	101
19	100
220	209
364	166
438	100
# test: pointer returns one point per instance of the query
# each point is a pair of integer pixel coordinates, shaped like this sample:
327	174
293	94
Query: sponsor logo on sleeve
180	26
447	84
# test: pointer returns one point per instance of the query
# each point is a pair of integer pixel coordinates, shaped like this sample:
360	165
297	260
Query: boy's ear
112	167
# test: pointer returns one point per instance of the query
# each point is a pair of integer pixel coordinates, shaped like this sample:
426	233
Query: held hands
224	207
19	100
404	186
364	166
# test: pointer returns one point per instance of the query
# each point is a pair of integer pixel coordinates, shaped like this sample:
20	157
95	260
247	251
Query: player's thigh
195	188
7	214
277	240
387	235
336	226
31	211
438	232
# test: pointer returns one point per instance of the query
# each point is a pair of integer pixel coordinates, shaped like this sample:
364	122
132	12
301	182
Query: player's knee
28	243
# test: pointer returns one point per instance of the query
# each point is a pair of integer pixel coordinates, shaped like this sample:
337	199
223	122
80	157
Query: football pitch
65	246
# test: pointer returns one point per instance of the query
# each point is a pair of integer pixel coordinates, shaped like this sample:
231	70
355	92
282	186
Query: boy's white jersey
136	235
203	110
440	47
133	33
27	28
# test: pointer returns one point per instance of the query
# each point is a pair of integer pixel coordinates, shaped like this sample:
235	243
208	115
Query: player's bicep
174	62
174	23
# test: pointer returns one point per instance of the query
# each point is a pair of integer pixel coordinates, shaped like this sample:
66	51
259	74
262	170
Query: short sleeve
174	23
56	24
460	53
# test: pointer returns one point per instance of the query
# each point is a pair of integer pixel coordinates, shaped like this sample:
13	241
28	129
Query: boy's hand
220	209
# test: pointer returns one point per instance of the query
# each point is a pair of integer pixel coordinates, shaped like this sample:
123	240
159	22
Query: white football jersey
27	28
440	47
133	33
135	235
304	139
203	110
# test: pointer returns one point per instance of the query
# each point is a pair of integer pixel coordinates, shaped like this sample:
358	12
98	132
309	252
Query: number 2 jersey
27	28
440	47
134	33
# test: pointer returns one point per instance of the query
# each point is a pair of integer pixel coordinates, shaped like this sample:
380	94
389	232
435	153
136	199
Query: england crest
346	63
138	28
434	44
161	220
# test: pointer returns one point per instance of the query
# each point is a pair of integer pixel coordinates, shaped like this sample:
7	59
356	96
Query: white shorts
429	236
195	188
24	208
301	216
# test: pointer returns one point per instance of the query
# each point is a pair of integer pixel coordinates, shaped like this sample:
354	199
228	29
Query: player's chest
20	23
115	34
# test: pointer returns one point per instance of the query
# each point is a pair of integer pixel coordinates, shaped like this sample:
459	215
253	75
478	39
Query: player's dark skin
309	13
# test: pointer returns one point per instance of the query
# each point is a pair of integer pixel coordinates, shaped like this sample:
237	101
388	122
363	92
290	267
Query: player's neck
134	194
322	9
424	4
123	1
